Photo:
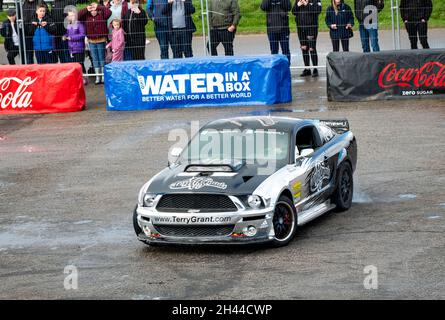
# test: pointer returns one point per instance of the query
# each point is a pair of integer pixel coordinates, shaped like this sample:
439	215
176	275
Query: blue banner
213	81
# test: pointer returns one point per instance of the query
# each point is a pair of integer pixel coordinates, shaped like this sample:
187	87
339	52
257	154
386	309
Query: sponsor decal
296	187
430	75
321	173
191	220
14	92
197	183
195	86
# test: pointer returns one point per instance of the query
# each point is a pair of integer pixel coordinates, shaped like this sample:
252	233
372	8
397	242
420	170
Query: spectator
75	37
364	11
29	8
95	17
277	19
306	18
117	43
10	32
134	27
181	27
43	30
155	9
224	17
339	20
58	14
118	9
415	14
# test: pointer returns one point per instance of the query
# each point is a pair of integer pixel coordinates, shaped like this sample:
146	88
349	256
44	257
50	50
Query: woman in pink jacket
117	43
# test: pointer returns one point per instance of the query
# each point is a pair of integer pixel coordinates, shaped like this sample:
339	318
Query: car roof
284	124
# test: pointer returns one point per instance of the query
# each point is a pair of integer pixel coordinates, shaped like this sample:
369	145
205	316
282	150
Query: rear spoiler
338	125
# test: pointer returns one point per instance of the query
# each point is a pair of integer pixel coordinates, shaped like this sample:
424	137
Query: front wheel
342	197
284	222
136	227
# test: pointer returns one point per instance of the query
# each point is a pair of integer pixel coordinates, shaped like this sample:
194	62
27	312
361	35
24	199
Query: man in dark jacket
134	23
224	16
181	26
11	34
366	12
415	14
156	11
306	17
277	18
58	14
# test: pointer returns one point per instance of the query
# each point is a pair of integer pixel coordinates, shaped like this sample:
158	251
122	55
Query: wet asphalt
69	182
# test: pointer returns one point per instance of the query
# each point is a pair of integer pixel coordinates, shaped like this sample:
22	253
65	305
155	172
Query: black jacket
341	19
28	13
189	9
134	27
415	10
277	15
59	16
360	5
307	16
6	32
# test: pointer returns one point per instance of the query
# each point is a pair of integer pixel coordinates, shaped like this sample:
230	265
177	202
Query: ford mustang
248	180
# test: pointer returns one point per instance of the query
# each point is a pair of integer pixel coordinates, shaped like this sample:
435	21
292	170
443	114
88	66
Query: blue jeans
369	34
277	39
98	54
163	36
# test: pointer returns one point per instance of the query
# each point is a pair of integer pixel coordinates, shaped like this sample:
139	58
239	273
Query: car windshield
211	146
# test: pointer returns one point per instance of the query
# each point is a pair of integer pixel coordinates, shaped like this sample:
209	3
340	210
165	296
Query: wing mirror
306	152
174	155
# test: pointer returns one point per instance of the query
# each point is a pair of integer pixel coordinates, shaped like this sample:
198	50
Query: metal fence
251	33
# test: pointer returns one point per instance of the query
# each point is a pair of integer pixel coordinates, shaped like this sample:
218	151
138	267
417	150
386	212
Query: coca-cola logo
430	75
14	93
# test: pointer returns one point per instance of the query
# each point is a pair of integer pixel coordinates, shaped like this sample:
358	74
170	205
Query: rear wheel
345	187
284	222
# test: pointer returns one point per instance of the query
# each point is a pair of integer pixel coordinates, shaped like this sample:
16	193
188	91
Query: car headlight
149	199
254	201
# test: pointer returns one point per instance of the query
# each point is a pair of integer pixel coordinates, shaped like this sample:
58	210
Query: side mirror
174	155
175	152
306	152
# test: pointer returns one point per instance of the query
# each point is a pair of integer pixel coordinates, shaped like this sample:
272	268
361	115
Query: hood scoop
208	168
247	178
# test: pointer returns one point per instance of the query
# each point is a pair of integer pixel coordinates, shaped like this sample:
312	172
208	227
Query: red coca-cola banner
47	88
386	75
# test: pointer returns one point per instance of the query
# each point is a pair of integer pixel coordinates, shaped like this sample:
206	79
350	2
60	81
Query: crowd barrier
48	88
213	81
385	75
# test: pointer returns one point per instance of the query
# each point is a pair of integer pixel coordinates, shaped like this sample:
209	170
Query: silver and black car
249	180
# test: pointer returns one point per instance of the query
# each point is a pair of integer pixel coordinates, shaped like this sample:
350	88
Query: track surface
69	182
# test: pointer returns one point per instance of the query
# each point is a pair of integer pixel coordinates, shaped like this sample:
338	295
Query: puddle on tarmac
56	234
407	196
434	216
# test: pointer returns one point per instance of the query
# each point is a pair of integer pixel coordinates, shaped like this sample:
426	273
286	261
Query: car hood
243	179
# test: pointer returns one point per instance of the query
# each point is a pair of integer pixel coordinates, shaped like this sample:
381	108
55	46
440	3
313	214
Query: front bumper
150	221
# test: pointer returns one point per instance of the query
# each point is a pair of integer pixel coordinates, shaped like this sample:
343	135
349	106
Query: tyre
344	190
136	227
284	222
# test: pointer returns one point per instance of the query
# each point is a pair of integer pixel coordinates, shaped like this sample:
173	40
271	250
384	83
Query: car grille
194	231
202	202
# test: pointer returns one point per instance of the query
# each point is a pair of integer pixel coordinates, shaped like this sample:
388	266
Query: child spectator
75	36
43	29
95	18
117	43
